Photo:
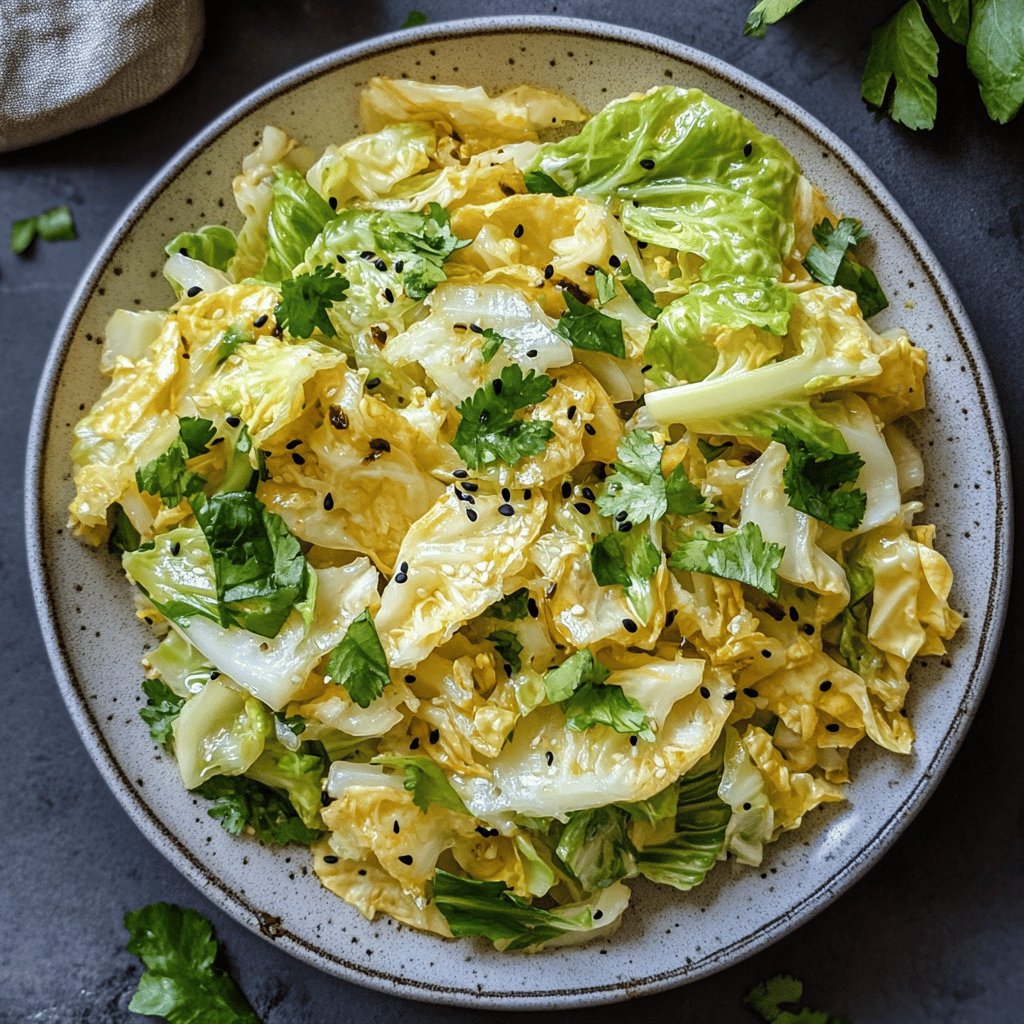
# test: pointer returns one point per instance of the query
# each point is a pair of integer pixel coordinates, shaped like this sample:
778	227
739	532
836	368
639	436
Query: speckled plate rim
236	904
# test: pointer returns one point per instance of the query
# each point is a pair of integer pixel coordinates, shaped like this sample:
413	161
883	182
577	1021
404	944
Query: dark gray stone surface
933	934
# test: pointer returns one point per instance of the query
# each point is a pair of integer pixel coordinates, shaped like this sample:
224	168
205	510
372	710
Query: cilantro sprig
239	802
902	61
743	555
637	491
359	663
426	781
54	225
168	475
778	1001
181	982
490	431
831	262
305	300
815	480
586	327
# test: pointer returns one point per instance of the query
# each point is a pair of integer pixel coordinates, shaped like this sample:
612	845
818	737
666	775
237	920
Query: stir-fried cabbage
518	513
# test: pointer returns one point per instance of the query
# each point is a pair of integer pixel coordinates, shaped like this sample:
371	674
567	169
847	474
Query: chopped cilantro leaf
509	646
492	341
162	707
831	262
588	328
712	451
55	225
196	434
230	340
638	489
123	535
902	61
743	555
813	479
181	982
489	430
640	294
358	663
305	301
239	802
581	669
538	181
511	607
605	286
169	477
426	781
630	560
607	705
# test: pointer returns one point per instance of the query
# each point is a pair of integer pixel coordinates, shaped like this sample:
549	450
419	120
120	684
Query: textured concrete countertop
934	933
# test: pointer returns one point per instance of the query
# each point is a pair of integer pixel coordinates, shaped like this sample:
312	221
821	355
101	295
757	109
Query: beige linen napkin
69	64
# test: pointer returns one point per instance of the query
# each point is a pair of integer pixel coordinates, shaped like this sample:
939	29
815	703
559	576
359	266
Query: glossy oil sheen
667	938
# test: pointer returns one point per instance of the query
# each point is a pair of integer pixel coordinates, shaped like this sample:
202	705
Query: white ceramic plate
95	641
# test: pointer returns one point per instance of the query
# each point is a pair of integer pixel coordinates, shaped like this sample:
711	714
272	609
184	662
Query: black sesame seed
214	674
634	740
484	416
373	382
746	806
332	203
362	872
518	231
389	295
378	444
549	757
366	255
591	270
410	678
341	259
406	858
731	695
399	266
471	515
338	417
298	459
832	727
794	614
260	320
484	832
750	692
531	607
641	245
766	653
588	494
175	549
566	489
808	629
506	494
718	527
647	165
825	686
396	828
531	353
415	745
614	261
401	577
496	385
404	567
748	149
527	494
294	443
589	428
328	501
549	272
460	474
330	859
470	486
621	517
506	509
435	735
629	625
380	265
670	618
570	413
193	291
582	507
625	527
705	692
232	421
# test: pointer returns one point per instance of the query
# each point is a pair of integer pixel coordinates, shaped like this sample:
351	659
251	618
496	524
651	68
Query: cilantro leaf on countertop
743	555
414	18
814	478
771	1000
831	262
305	300
636	490
995	55
902	61
586	327
489	430
767	12
426	781
358	663
54	225
181	982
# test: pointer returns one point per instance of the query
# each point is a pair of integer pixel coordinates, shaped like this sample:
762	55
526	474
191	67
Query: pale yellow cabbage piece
455	568
375	464
479	121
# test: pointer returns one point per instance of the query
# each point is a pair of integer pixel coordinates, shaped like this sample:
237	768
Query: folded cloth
69	64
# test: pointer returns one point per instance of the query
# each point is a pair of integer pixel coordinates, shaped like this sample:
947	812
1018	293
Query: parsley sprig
305	300
831	262
490	431
359	663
